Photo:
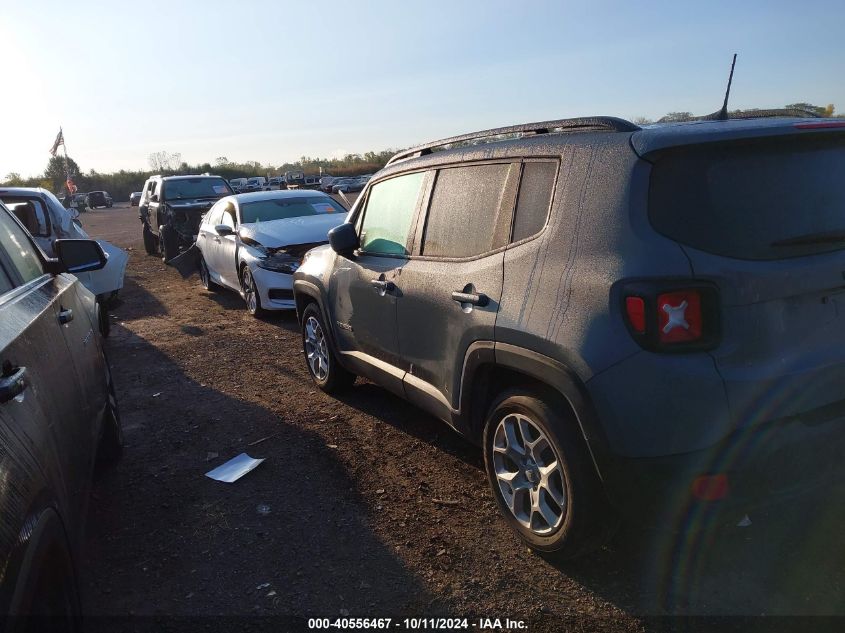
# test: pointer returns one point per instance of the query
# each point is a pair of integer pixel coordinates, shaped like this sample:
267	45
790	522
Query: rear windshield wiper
827	237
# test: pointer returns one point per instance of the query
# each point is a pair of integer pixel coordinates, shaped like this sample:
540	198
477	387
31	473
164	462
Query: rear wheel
150	240
542	477
205	276
325	371
250	290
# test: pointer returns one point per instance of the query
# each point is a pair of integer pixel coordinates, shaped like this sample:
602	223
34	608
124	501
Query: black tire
250	292
111	439
46	596
103	321
205	277
583	522
168	243
333	378
150	240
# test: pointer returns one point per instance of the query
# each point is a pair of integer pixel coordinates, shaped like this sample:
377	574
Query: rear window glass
535	197
470	211
283	208
764	199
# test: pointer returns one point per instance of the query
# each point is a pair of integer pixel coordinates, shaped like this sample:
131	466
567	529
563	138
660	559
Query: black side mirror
79	256
224	229
343	239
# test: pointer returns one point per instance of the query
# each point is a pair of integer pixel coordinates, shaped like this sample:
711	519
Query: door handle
65	316
480	299
382	286
12	385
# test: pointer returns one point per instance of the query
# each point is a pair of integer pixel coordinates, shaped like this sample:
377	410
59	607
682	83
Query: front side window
391	206
18	249
470	210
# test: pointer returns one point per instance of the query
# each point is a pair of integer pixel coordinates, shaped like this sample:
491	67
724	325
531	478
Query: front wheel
168	243
150	240
111	440
325	371
542	477
250	290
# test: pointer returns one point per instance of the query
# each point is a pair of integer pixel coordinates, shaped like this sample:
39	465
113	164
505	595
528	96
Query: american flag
60	140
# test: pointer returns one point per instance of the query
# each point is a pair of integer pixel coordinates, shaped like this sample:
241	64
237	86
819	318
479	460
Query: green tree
809	107
56	173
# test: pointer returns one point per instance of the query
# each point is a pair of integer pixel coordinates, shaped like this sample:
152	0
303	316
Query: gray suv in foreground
638	321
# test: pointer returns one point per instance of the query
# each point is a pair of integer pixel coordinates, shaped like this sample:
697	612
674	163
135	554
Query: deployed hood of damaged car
300	230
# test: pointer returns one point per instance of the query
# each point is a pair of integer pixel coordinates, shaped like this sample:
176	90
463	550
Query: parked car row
605	309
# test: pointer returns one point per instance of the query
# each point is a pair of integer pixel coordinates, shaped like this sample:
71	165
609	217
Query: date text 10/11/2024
413	624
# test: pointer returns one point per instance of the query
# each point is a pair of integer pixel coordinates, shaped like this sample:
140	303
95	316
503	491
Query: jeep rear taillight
672	316
679	317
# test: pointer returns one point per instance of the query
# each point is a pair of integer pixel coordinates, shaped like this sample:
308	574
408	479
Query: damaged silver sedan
253	243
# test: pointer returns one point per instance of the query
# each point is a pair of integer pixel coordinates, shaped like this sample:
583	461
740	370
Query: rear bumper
765	465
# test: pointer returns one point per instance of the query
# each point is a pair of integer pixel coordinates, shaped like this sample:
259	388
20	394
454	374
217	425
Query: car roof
22	190
188	176
658	136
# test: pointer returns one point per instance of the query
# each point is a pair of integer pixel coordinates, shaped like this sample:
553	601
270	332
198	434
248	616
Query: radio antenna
722	115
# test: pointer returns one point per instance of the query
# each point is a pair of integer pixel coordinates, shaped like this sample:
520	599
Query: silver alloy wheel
250	292
316	350
204	274
529	474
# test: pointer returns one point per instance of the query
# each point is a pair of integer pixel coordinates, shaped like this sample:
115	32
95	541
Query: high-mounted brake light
679	316
820	125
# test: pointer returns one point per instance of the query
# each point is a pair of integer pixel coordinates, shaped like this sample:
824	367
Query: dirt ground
351	524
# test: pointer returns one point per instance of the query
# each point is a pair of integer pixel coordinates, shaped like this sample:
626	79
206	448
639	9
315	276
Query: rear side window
470	211
535	197
760	200
391	206
31	213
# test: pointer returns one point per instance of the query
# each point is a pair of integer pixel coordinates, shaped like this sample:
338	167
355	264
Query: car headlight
280	263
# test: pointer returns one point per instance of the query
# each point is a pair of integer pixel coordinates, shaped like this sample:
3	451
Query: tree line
121	183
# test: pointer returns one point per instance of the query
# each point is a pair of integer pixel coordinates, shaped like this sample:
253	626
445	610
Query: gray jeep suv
638	321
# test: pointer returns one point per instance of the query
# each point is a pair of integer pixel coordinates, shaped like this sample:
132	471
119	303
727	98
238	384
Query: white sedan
253	243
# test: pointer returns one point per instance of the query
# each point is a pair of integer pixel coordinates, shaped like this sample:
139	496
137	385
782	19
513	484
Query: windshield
196	188
767	199
284	208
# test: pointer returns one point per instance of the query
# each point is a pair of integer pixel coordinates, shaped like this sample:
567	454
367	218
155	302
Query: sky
273	81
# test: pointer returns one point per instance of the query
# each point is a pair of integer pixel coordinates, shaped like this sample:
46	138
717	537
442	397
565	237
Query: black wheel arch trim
562	379
42	528
301	287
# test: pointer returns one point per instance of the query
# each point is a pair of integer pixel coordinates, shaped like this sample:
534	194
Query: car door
156	205
207	237
226	247
363	288
39	387
451	287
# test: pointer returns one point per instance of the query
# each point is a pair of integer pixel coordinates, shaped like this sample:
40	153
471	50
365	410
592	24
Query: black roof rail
581	124
796	113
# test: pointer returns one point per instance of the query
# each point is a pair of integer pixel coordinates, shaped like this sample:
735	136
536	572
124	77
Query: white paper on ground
234	469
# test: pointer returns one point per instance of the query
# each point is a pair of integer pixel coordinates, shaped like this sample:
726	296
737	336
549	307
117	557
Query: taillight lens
635	309
672	315
679	318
